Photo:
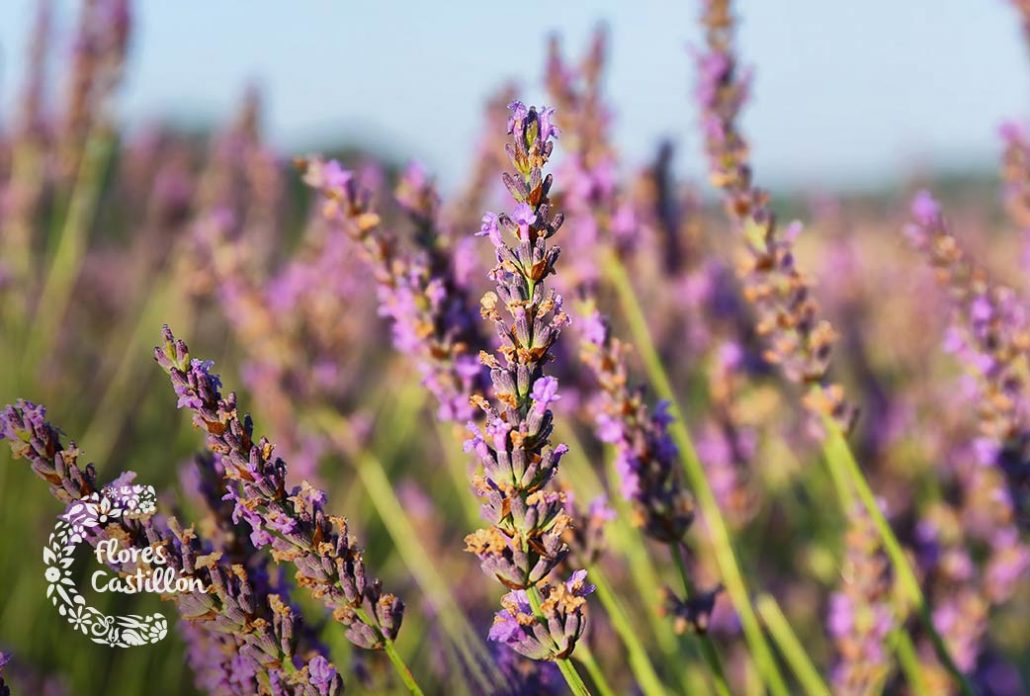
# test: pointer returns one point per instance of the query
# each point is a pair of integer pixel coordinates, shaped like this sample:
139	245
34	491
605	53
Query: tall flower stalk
524	542
292	522
797	338
861	616
991	335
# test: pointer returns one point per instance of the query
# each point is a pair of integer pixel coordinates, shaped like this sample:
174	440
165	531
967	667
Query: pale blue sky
845	92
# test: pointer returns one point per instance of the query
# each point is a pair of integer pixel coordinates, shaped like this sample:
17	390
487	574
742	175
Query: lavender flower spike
420	293
991	335
328	561
646	458
860	615
797	339
524	542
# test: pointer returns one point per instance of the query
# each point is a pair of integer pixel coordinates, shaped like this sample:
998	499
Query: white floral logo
99	510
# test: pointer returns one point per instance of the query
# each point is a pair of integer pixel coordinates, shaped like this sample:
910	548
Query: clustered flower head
562	605
420	293
860	614
293	522
525	540
797	339
991	336
646	458
242	637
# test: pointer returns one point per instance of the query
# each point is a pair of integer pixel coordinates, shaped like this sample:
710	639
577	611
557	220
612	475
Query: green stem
643	671
627	539
909	661
401	667
457	467
572	678
722	546
566	667
795	654
123	387
839	456
71	246
708	649
405	537
586	656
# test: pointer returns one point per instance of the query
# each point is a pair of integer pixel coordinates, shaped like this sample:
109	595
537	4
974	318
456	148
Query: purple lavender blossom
860	614
4	689
990	335
797	339
419	293
524	542
327	559
646	458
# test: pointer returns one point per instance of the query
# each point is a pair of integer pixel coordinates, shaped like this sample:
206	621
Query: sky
846	94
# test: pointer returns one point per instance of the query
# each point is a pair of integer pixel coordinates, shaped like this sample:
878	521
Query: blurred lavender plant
798	340
646	458
1015	175
419	293
5	690
860	614
990	335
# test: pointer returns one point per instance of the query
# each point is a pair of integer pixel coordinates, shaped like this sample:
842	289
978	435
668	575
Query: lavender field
570	425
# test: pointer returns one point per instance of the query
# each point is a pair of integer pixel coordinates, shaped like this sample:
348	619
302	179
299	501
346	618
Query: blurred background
848	95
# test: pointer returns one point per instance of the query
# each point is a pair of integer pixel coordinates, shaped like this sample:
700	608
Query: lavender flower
519	627
240	633
101	43
293	522
646	458
798	340
420	294
1016	173
860	615
524	543
991	336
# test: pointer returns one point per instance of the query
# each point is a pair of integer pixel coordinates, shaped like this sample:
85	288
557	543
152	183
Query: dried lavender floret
552	634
